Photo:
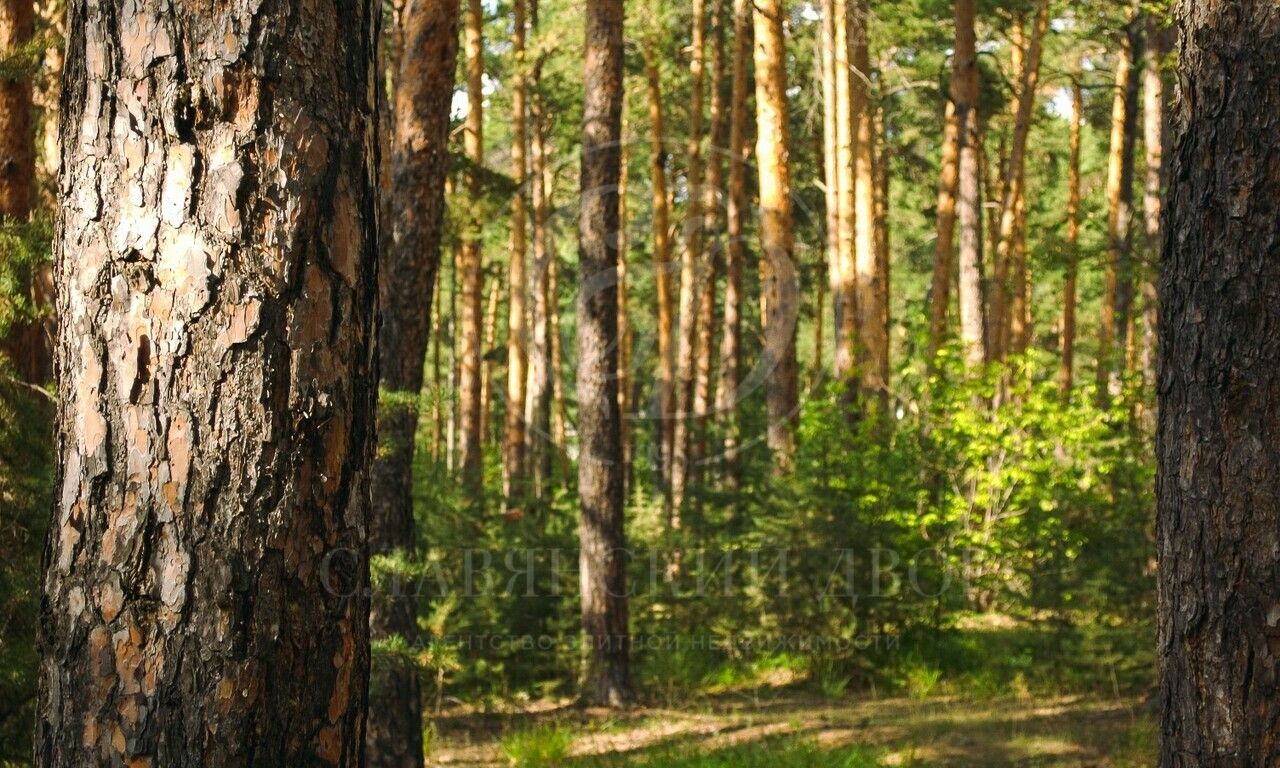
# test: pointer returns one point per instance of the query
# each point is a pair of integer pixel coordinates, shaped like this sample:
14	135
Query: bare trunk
831	177
844	274
1066	371
779	288
539	448
419	161
1218	520
471	269
205	598
944	247
965	95
735	247
624	322
690	267
1153	140
873	346
1117	227
602	562
513	442
488	380
666	386
883	282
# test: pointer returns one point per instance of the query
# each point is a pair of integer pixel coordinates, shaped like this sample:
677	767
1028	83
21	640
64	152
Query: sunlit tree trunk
419	161
844	274
964	80
1112	322
539	451
624	321
205	601
779	288
1011	315
735	246
713	237
471	267
691	258
873	345
513	442
602	563
488	380
883	282
1218	520
831	177
1153	119
666	384
1066	371
944	246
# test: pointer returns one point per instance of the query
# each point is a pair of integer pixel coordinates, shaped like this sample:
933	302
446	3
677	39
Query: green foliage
24	249
789	752
544	747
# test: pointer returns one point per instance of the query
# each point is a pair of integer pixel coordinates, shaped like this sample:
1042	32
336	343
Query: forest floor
786	728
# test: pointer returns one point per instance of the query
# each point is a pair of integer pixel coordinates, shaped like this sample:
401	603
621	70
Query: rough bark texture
964	92
513	467
217	281
1066	368
779	288
1218	528
471	268
690	265
727	396
602	563
419	161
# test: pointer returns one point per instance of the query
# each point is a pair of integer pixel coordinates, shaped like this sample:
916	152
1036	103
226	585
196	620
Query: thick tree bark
713	238
419	162
471	269
602	561
727	396
1066	373
513	443
779	285
216	260
1218	528
944	246
666	383
964	79
690	265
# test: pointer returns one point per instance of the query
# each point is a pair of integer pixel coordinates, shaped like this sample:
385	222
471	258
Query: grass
779	753
540	747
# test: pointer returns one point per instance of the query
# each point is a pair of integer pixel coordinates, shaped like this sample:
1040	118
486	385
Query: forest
639	384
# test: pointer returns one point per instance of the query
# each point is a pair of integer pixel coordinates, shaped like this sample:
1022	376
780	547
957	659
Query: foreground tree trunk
471	269
1218	527
964	93
602	563
513	466
735	248
204	602
780	294
419	162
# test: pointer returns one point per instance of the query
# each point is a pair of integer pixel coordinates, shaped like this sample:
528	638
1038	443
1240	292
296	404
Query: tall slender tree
513	442
944	245
779	287
471	266
419	161
964	92
1218	523
603	542
666	383
1066	369
873	341
1153	120
205	597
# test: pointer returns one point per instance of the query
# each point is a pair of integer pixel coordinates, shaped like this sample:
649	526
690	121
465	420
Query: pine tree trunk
624	321
831	177
883	283
216	257
1110	342
419	162
488	429
690	267
1218	522
779	286
944	246
471	269
844	278
964	80
1066	372
713	237
539	451
602	562
513	466
666	384
1153	118
727	397
873	345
